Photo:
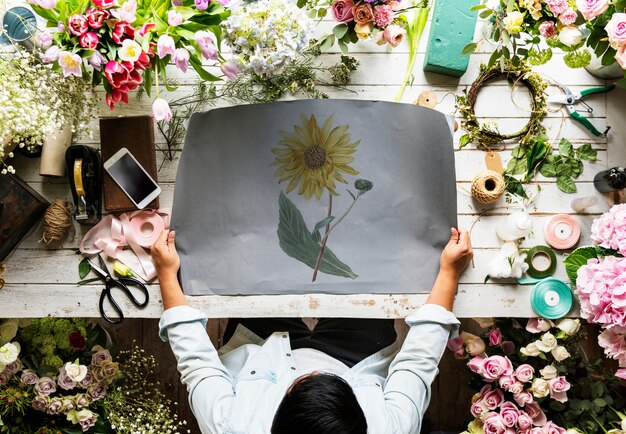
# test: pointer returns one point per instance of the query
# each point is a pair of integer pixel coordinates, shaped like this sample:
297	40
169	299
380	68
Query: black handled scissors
122	283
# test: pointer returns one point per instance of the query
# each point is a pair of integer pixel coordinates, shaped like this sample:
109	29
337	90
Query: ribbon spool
488	186
551	298
562	232
146	228
537	270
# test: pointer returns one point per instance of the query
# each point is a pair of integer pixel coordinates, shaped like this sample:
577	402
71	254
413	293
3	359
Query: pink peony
383	15
552	428
609	230
78	24
495	367
558	387
536	414
557	7
539	325
393	35
524	373
510	414
523	398
616	29
495	337
547	29
601	289
494	424
568	17
592	8
492	398
342	11
96	17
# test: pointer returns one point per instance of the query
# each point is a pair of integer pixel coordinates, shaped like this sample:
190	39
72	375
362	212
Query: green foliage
538	56
580	257
577	59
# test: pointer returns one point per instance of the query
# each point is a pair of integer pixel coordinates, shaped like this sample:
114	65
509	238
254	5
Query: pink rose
523	398
568	17
342	11
495	337
547	29
536	414
493	399
393	35
620	56
552	428
524	421
383	15
495	367
96	17
473	344
509	413
539	325
516	388
103	3
475	364
535	430
363	13
616	29
477	408
456	346
592	8
78	25
395	5
494	424
524	373
558	387
89	41
506	381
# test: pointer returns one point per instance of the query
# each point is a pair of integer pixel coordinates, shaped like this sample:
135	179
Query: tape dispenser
84	166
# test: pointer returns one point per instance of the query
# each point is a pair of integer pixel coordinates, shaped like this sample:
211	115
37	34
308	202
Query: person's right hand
457	254
164	254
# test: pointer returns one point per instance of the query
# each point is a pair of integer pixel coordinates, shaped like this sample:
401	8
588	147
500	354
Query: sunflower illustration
313	158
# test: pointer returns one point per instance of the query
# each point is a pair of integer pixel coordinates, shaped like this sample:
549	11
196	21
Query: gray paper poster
314	196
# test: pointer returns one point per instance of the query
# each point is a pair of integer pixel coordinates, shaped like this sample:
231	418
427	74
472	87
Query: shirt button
284	336
253	372
288	354
293	368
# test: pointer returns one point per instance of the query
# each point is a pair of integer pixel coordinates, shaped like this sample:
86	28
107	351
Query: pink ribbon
138	230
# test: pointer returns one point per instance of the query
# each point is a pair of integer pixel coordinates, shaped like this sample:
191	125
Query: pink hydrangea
601	289
613	341
609	230
383	15
557	7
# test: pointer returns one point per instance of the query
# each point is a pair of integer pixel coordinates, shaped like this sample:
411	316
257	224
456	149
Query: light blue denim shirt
238	390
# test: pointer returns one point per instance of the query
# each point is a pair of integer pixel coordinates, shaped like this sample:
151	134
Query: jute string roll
56	222
488	186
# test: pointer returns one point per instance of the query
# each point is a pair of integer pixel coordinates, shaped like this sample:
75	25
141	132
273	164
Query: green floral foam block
452	29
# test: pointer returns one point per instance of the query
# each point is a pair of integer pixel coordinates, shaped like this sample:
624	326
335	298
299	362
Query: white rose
624	424
549	372
560	353
75	372
569	326
573	431
8	330
547	343
540	388
530	350
570	36
9	353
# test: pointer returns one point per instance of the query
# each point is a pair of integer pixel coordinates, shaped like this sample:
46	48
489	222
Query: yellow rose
513	22
363	30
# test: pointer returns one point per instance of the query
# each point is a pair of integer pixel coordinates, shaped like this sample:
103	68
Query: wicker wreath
486	135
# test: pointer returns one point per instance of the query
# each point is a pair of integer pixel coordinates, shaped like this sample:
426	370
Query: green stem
414	30
344	214
325	239
156	78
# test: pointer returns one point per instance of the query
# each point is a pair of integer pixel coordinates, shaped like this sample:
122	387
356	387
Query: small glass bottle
610	180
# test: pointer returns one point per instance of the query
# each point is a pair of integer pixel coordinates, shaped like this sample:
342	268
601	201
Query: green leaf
324	222
486	13
477	7
599	402
565	148
514	186
535	157
321	13
296	241
84	267
469	49
586	152
203	73
517	166
340	30
548	170
342	46
580	256
301	3
327	43
566	184
464	140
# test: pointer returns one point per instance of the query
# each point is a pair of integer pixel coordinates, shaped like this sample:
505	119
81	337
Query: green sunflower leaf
298	242
325	221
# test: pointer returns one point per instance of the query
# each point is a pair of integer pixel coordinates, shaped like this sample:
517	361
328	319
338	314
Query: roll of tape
147	227
488	186
533	255
551	298
562	232
78	177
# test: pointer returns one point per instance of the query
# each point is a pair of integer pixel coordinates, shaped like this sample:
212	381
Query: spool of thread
551	298
57	221
516	225
488	186
580	204
562	232
541	262
427	99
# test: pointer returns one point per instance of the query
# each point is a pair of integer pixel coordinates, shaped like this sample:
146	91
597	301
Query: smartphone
132	178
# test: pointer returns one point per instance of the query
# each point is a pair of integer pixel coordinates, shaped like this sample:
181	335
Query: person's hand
457	254
164	255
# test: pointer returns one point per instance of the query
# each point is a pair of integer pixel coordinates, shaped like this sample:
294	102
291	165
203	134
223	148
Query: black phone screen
132	178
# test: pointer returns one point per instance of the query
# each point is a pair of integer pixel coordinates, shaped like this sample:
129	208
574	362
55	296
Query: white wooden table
41	280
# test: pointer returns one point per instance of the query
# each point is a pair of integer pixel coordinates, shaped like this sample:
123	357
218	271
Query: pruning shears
570	99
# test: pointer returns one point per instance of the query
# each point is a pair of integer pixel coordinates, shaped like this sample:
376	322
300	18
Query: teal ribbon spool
541	250
551	298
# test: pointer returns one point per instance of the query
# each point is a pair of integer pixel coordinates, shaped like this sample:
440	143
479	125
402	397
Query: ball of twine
57	222
488	186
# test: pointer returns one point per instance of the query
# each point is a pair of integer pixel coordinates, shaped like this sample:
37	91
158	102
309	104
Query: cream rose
513	22
363	30
547	343
473	344
549	372
569	326
9	353
560	353
540	388
530	350
570	36
75	372
8	330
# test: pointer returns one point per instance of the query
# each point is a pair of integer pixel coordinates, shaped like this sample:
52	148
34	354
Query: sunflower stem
325	239
345	213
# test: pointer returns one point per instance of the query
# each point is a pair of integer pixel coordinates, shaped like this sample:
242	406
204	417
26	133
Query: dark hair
319	404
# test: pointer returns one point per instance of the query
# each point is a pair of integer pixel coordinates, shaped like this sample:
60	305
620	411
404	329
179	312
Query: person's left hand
164	254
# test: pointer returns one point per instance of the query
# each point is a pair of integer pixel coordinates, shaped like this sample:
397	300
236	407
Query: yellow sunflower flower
314	158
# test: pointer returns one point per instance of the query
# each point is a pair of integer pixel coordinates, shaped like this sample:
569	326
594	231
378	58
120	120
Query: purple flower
96	60
174	18
87	381
29	377
230	70
40	402
61	27
51	54
165	46
14	368
177	3
45	386
81	400
5	376
206	43
100	355
65	381
202	5
181	58
97	391
44	39
54	406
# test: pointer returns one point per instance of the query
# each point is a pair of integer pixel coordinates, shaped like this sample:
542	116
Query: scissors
571	98
122	283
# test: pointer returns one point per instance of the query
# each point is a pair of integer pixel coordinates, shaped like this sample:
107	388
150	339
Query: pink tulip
181	59
161	110
165	46
70	63
89	40
78	24
230	70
